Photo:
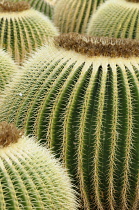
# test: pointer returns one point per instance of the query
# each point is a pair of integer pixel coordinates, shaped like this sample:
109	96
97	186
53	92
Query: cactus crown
98	46
7	6
8	134
135	1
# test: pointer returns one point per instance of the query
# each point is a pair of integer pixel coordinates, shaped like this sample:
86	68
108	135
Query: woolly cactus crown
81	96
7	69
7	6
73	15
136	1
30	176
115	18
44	6
23	29
9	134
95	46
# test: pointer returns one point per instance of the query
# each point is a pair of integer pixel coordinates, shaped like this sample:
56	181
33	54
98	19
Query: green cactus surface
30	177
73	15
23	29
116	18
44	6
81	96
7	68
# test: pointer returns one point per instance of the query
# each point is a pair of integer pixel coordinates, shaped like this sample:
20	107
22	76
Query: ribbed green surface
30	178
115	18
86	109
44	6
22	32
73	15
7	69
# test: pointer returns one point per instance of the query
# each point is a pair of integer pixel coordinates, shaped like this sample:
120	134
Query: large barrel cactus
73	15
23	29
44	6
81	96
116	18
7	69
30	177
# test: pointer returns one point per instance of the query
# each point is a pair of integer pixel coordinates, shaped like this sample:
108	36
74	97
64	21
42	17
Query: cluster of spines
73	16
7	69
87	111
22	32
30	177
117	19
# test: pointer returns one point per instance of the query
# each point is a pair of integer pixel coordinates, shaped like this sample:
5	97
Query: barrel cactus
44	6
30	176
73	15
23	29
7	69
81	96
116	18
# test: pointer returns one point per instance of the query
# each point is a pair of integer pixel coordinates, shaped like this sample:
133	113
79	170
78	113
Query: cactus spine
30	177
73	15
44	6
23	29
116	18
7	69
81	95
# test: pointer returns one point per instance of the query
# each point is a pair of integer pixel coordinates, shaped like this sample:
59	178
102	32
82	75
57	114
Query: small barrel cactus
44	6
30	177
7	69
81	96
23	29
116	18
73	15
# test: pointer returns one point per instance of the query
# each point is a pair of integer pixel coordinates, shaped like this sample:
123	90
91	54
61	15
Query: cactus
73	15
44	6
23	29
30	177
116	18
7	68
81	96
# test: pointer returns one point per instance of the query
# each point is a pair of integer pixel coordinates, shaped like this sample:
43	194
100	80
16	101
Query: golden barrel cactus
73	15
30	177
116	18
23	29
81	96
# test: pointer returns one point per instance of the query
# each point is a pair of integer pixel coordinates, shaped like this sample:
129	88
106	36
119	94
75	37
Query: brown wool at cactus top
98	46
7	6
135	1
8	134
